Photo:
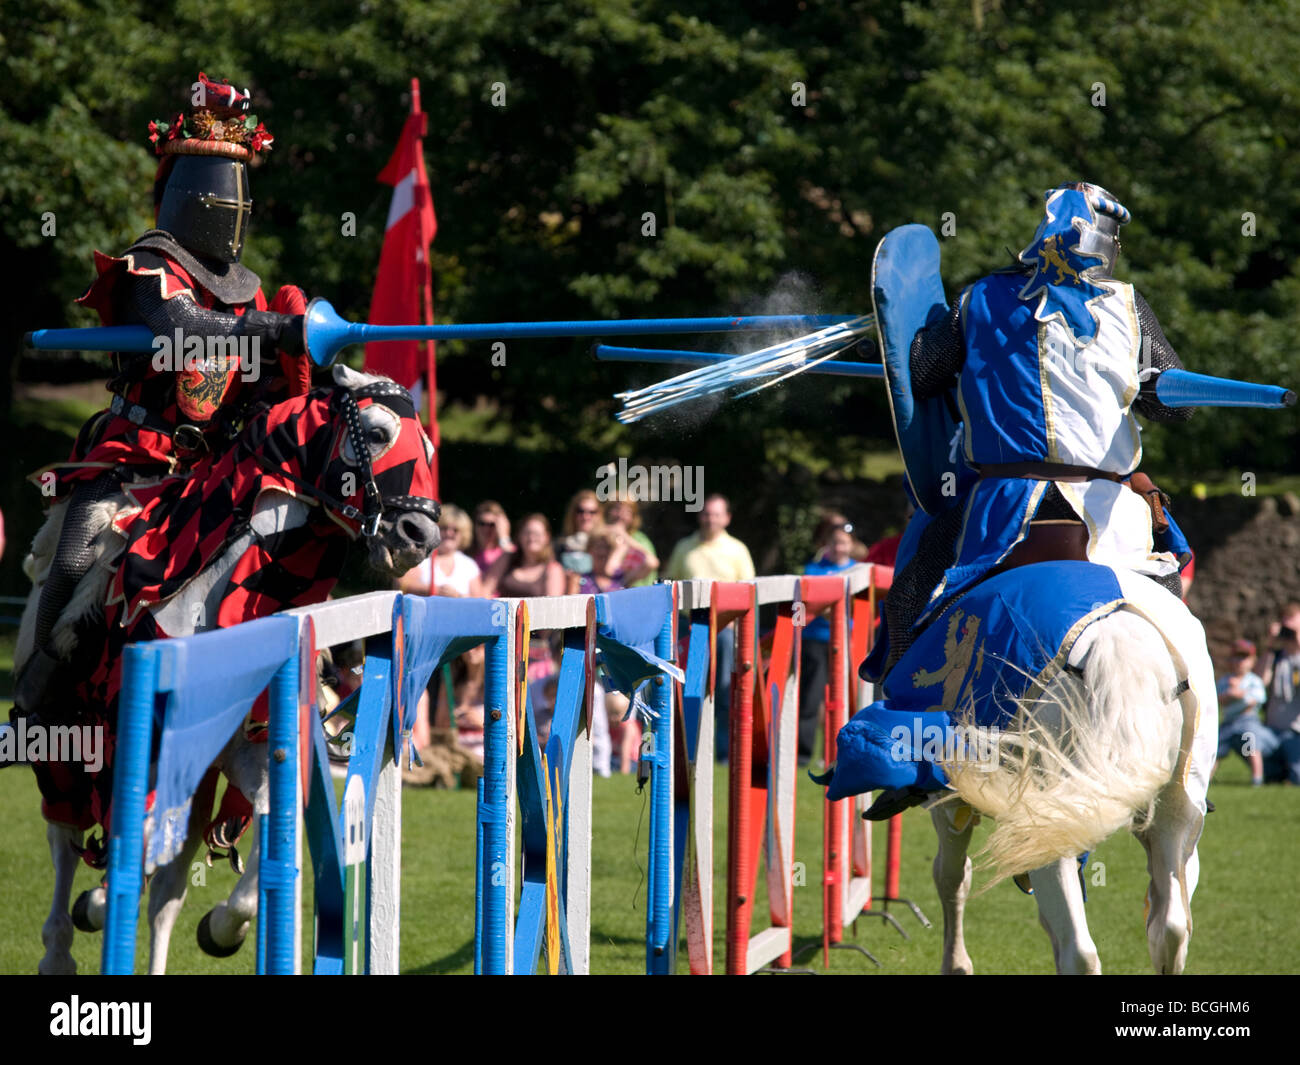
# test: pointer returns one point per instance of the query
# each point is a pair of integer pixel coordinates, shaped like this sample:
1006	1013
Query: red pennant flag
404	288
403	264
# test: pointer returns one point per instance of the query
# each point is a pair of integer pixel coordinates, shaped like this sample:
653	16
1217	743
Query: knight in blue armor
1046	363
1040	368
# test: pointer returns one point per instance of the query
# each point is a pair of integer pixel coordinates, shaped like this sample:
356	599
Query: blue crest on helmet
1061	280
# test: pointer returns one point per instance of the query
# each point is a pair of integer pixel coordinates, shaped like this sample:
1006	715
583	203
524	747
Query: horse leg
952	877
167	888
224	927
1060	912
57	931
1170	841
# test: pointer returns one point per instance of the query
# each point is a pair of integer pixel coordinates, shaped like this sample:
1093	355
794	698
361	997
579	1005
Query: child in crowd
1241	694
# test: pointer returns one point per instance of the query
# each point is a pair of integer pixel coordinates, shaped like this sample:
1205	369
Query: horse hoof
209	945
81	914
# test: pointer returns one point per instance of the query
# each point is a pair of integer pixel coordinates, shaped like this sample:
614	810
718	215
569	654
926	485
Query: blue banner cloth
627	625
968	668
436	630
211	681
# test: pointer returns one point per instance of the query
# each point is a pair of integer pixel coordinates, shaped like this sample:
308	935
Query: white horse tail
1085	758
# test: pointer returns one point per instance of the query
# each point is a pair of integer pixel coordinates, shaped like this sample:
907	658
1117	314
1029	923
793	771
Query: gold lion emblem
959	647
1053	258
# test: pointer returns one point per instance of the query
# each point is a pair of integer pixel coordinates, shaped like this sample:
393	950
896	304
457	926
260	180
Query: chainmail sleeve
938	352
165	316
1159	354
202	389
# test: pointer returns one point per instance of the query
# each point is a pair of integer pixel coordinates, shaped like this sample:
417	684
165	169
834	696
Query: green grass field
1244	910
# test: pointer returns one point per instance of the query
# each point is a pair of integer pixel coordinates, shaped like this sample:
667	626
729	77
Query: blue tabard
1030	390
1000	388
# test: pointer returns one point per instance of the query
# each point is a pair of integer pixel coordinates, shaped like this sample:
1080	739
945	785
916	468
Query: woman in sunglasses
491	533
581	519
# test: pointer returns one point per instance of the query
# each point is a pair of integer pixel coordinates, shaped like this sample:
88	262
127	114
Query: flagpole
425	275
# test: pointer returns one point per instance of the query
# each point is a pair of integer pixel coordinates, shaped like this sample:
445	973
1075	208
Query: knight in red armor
185	399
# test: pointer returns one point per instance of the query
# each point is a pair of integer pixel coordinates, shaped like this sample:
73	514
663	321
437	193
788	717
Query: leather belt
1046	471
185	437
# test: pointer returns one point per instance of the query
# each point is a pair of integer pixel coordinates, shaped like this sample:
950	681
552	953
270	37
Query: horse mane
1082	755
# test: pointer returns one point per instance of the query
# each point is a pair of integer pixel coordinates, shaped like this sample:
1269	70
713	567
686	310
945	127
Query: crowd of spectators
601	548
1260	711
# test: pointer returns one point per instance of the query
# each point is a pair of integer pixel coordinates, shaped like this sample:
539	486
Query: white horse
1123	738
405	535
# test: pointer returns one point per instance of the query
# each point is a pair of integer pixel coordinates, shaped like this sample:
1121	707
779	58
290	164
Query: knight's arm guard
1159	355
938	353
201	391
165	316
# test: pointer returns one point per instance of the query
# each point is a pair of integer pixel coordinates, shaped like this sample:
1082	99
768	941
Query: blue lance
1182	388
1174	388
327	333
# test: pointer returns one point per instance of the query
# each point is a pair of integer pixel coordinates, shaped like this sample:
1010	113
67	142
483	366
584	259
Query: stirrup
893	801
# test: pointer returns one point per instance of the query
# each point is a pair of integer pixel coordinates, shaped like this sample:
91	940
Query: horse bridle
373	501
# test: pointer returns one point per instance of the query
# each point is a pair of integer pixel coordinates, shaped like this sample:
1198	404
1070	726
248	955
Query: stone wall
1247	563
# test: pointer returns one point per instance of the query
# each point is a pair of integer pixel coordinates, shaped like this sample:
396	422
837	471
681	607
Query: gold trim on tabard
1045	389
1131	393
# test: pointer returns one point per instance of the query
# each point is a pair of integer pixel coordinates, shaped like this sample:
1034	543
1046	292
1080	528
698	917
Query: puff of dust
793	293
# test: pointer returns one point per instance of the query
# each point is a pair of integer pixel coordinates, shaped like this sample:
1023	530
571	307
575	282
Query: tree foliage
774	143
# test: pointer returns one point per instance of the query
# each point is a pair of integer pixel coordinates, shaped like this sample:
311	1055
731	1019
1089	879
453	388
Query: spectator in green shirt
715	554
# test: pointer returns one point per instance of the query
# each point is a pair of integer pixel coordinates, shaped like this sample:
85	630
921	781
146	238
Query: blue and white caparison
961	681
